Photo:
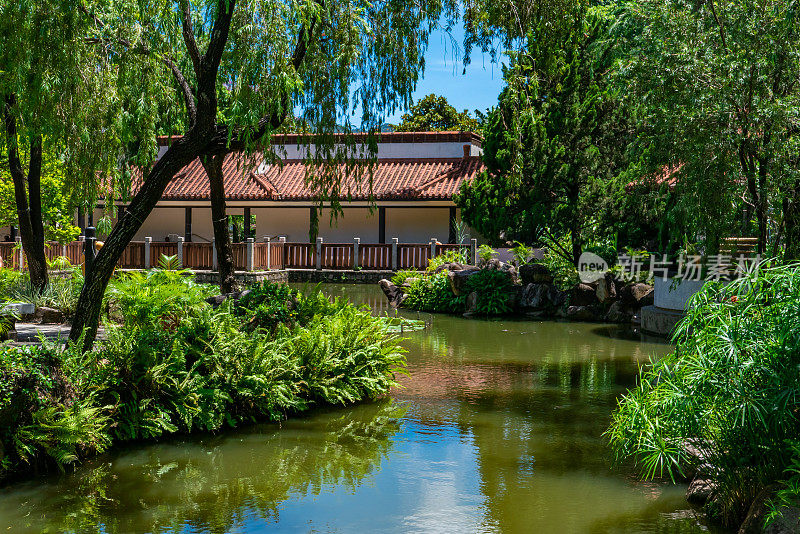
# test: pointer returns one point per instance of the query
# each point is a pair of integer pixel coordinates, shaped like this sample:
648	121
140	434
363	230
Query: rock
606	289
496	265
584	313
535	273
458	279
582	295
472	303
537	296
46	315
700	491
637	294
217	300
787	523
393	293
617	313
450	267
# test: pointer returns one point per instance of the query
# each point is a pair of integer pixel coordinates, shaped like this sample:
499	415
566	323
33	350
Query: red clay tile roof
392	179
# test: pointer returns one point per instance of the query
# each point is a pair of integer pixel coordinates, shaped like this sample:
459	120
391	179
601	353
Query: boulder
450	267
46	315
788	522
471	304
637	294
497	265
582	295
393	293
606	289
618	313
458	279
217	300
584	313
535	273
540	296
700	491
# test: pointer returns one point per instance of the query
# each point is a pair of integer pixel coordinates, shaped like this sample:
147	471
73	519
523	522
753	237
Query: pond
498	428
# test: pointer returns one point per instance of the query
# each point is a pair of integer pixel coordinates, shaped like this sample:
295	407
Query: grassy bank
172	363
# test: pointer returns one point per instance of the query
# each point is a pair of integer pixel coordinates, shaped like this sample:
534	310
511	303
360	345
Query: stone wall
246	277
337	277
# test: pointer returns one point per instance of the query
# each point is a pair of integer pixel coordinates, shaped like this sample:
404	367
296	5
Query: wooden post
249	264
284	251
381	225
188	227
269	253
246	225
356	246
88	250
319	254
395	242
473	250
180	252
433	247
147	242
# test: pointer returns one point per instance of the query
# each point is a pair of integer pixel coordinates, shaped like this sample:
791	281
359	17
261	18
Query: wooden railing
252	256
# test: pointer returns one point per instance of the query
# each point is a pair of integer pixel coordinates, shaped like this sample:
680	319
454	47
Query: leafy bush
400	277
485	253
175	364
432	293
731	388
43	420
521	254
450	256
61	293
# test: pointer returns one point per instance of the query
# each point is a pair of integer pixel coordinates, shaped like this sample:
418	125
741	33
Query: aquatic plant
731	388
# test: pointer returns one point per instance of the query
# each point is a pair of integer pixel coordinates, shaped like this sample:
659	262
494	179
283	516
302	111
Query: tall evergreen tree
555	138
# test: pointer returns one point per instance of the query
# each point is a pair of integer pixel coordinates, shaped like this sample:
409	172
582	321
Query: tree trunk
29	212
791	223
219	218
87	313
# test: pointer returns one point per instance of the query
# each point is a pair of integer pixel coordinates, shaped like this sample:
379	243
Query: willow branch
188	36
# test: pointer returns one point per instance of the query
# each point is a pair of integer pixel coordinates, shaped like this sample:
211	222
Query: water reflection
211	484
498	428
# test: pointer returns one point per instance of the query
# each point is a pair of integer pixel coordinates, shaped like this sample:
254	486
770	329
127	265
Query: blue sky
444	75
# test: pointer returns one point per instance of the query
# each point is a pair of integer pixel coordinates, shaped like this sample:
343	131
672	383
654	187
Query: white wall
290	222
417	225
353	222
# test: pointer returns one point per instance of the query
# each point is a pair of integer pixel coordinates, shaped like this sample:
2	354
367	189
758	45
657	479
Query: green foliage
485	253
43	421
731	388
61	293
175	364
433	113
400	277
432	292
450	256
714	86
521	254
555	140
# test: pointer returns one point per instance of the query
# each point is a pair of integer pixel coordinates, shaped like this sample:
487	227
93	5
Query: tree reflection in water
211	484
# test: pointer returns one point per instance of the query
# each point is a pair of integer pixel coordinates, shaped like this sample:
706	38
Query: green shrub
400	277
43	419
61	293
485	253
732	388
175	364
450	256
432	293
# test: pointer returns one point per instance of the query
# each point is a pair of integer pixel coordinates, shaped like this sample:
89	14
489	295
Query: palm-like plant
731	389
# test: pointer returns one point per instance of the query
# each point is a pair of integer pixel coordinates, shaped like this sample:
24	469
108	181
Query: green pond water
498	428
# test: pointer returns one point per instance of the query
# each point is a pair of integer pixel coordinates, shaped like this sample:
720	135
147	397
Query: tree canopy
554	140
433	113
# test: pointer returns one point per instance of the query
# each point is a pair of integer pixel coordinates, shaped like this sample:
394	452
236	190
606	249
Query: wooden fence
252	256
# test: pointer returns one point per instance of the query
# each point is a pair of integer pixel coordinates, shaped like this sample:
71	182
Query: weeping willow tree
53	105
103	78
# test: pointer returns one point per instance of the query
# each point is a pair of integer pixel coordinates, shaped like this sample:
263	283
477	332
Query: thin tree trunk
29	212
791	223
87	313
219	218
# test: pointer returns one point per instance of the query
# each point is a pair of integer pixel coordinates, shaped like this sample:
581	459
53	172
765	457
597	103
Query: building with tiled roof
413	181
